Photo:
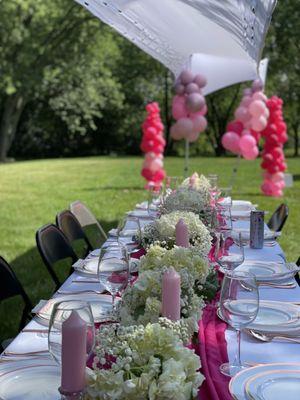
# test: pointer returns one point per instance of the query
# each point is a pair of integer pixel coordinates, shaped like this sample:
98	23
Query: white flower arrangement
141	302
162	231
177	257
148	362
186	199
199	183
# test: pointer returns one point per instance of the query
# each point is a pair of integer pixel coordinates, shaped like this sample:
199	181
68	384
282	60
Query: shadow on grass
296	177
37	283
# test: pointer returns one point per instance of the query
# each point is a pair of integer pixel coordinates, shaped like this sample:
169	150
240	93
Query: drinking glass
129	227
172	183
113	269
223	215
155	199
239	303
61	312
229	251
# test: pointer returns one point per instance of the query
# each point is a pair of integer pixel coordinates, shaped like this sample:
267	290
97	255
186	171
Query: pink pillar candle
73	353
171	290
182	234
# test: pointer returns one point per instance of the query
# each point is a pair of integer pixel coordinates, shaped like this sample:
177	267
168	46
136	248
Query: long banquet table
252	350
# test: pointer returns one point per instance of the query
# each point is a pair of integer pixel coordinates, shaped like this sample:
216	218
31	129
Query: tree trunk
296	142
12	109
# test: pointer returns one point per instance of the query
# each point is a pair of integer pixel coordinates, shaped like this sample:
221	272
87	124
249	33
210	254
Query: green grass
33	192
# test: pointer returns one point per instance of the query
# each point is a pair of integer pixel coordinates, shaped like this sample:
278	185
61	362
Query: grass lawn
33	192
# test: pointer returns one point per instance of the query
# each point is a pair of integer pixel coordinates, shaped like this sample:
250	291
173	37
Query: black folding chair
53	247
279	217
10	286
69	225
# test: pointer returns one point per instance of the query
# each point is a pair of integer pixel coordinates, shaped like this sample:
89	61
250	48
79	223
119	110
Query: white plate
139	214
245	233
274	316
268	272
33	382
100	305
89	266
238	382
274	385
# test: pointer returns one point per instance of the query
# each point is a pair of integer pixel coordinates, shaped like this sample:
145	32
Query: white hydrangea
186	199
146	362
200	183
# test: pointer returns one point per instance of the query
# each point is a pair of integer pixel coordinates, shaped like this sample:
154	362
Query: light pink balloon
200	123
200	80
155	165
192	88
257	85
185	126
247	142
259	124
230	141
241	114
257	108
193	136
246	132
247	92
250	154
246	101
150	156
179	88
195	102
278	177
186	77
259	96
175	132
266	113
178	107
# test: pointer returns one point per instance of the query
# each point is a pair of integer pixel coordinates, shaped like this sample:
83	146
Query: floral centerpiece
186	199
142	362
162	231
141	302
199	183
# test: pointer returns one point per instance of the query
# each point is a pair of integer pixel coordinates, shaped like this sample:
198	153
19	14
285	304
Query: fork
268	337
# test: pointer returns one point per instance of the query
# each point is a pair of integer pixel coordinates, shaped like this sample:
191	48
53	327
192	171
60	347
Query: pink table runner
212	350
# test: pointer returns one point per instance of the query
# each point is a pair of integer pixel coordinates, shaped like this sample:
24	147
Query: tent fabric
223	39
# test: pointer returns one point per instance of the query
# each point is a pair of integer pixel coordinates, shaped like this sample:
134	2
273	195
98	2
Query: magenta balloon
200	123
186	77
230	141
179	88
192	88
200	80
246	132
247	142
257	85
179	108
195	102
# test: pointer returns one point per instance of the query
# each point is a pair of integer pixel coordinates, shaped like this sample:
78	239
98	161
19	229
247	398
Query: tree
57	50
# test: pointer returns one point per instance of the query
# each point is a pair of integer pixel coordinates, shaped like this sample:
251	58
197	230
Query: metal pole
235	171
186	161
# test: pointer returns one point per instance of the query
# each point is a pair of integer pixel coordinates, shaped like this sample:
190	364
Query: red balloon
235	126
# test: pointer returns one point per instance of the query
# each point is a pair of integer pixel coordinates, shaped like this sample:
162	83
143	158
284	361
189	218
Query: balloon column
189	107
273	162
153	145
243	134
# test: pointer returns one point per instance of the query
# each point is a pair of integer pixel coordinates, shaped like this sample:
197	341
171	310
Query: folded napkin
213	352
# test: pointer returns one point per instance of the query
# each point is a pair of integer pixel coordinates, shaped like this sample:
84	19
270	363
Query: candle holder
71	395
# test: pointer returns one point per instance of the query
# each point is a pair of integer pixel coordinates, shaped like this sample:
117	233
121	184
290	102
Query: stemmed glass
213	180
129	227
223	215
113	269
239	304
229	251
61	312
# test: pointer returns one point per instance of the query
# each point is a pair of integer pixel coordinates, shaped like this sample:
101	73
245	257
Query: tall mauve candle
171	290
182	234
73	353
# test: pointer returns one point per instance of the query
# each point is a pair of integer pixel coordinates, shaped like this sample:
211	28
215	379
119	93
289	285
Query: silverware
268	337
29	354
34	330
85	281
290	285
66	292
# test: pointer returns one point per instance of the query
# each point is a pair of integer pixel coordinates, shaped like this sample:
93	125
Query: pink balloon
186	77
247	92
246	101
195	102
241	114
200	80
178	107
230	141
192	88
246	132
257	108
185	126
200	123
175	132
259	124
257	85
179	88
193	136
247	143
259	96
156	165
250	154
278	177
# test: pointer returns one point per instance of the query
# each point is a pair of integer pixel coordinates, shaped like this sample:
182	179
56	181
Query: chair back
69	225
53	247
86	218
10	287
279	218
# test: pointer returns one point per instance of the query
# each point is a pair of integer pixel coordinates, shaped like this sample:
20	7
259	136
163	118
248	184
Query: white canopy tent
223	39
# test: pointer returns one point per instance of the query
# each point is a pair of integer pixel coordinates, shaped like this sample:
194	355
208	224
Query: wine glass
60	313
129	227
223	215
229	251
154	201
113	269
239	304
213	190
